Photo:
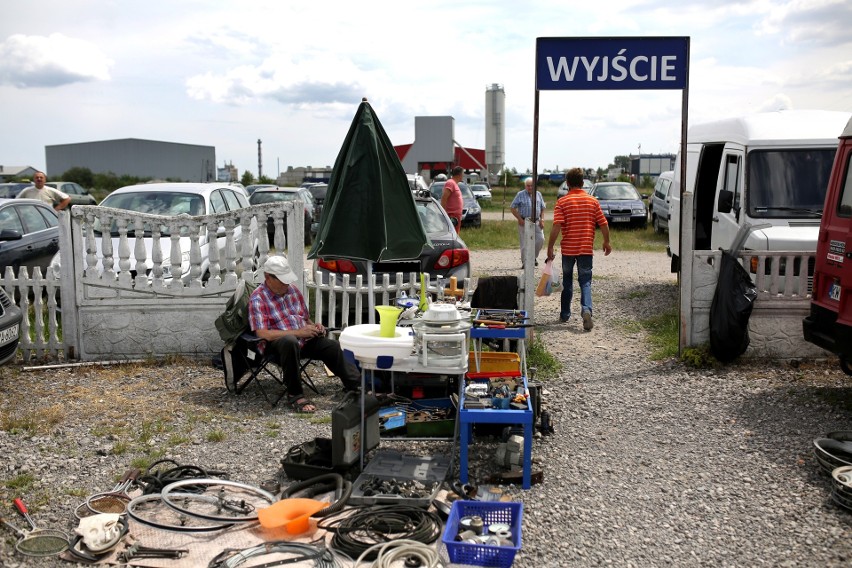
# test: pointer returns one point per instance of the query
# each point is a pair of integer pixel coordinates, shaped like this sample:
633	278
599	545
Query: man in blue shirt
522	209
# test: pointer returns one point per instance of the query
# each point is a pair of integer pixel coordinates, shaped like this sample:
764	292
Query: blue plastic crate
482	554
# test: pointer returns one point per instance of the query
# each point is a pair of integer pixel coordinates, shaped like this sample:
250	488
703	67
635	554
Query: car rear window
432	218
260	197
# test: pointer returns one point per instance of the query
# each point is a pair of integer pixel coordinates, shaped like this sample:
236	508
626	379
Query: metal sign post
610	63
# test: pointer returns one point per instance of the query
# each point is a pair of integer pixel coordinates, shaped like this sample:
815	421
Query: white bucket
365	342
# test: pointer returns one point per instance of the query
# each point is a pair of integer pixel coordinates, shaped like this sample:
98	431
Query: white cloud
39	61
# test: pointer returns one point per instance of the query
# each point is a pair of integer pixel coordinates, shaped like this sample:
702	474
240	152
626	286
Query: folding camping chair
246	363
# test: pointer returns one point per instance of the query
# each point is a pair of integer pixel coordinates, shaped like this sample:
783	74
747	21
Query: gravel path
652	463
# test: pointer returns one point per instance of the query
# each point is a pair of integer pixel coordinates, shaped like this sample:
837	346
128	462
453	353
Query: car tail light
342	266
452	258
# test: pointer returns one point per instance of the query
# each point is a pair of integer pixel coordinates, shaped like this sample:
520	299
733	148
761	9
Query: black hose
317	485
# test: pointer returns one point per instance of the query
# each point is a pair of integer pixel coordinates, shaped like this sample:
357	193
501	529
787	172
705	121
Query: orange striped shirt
579	214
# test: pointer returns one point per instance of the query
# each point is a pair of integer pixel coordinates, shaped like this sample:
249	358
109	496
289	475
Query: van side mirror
726	201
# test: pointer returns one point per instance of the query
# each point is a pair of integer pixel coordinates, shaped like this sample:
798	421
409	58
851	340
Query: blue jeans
584	278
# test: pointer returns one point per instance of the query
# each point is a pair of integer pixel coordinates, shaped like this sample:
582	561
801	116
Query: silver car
658	208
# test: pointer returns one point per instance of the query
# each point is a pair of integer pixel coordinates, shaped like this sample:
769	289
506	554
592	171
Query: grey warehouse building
135	157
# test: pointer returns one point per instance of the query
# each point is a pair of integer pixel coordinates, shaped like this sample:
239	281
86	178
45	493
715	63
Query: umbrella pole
371	300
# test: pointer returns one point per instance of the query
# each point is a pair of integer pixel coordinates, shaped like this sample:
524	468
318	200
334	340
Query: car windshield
788	183
154	203
479	187
465	191
431	217
616	192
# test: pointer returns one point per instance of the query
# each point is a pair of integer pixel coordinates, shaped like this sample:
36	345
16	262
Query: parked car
10	190
10	327
621	203
318	191
280	194
447	256
252	188
658	207
481	192
174	199
471	210
29	235
563	189
79	195
829	324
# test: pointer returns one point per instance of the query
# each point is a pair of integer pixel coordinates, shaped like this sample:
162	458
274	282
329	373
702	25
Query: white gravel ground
652	463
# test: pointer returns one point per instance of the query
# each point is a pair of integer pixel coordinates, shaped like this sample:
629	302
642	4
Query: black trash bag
730	310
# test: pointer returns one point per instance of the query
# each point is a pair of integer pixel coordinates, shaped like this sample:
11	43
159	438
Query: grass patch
216	436
40	421
314	419
546	365
495	235
120	448
662	334
21	483
178	440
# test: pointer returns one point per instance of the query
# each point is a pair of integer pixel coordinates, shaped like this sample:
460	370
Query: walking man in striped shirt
576	215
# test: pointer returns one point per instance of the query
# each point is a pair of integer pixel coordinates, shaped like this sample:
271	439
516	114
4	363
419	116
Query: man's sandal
300	403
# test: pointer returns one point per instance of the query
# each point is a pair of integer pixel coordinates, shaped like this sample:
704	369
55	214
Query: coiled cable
155	478
232	557
402	549
354	533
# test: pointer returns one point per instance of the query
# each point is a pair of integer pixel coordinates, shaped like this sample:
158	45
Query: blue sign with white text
611	63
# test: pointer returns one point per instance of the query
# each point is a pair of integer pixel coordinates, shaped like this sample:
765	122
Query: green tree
247	178
623	162
265	179
83	176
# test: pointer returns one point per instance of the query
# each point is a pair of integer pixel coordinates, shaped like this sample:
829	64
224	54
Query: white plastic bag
544	284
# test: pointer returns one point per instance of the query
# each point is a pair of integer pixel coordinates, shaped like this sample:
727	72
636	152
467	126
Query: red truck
829	324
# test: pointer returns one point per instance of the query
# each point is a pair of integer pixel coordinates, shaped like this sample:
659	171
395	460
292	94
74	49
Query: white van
764	169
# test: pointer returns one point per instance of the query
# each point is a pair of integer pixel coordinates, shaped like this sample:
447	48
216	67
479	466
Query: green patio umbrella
369	212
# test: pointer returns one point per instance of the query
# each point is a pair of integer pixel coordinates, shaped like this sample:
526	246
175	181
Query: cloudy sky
293	73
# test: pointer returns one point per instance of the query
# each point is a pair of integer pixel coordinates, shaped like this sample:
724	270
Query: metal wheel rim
169	490
147	499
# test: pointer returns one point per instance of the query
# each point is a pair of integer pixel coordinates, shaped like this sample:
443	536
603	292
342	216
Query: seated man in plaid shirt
278	314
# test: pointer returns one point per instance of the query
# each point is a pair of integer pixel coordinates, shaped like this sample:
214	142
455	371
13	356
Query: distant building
9	172
135	157
435	150
296	176
228	173
650	165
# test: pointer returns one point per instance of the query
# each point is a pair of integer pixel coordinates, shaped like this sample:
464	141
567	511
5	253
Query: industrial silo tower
495	129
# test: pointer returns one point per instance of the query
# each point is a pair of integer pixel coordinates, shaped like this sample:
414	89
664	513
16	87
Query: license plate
9	334
834	292
621	219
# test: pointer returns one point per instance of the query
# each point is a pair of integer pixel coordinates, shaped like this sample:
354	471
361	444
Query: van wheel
844	364
657	228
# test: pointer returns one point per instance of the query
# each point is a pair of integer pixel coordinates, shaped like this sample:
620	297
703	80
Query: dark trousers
287	353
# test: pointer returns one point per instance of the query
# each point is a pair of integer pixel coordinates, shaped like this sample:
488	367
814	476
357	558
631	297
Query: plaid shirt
269	311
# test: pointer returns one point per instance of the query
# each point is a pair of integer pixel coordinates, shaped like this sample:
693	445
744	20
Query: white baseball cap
280	268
